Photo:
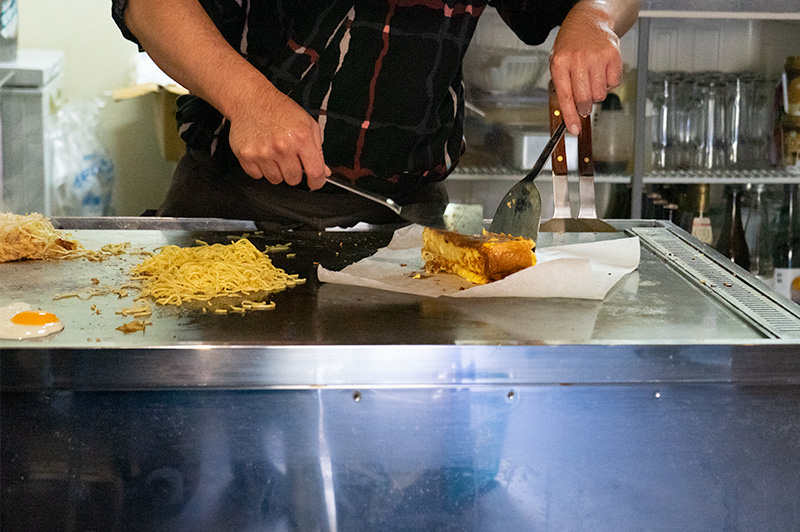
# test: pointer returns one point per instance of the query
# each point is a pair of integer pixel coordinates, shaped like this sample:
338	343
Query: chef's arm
270	134
586	60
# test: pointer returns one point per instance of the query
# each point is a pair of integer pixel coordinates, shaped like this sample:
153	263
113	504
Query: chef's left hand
586	60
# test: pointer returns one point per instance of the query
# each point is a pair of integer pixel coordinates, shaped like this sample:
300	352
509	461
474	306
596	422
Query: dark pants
211	187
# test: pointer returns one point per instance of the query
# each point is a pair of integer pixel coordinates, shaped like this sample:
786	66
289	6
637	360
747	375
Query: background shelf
766	9
722	177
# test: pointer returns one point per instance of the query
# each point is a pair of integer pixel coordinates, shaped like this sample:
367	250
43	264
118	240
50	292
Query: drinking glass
713	139
740	96
710	120
760	123
657	92
679	108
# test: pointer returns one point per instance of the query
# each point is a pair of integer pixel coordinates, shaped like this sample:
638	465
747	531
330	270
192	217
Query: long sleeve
118	14
532	20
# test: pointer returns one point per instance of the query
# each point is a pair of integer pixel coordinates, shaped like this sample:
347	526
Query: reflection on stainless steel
478	458
154	223
355	409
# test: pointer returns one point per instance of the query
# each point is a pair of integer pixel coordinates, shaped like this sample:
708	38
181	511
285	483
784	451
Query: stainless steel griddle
681	292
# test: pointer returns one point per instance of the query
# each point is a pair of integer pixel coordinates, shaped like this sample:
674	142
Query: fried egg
19	321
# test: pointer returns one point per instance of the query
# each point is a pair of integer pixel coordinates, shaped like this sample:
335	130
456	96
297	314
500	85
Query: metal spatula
418	213
587	212
562	220
520	211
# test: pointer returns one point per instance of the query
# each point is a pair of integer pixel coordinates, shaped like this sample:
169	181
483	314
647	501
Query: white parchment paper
582	271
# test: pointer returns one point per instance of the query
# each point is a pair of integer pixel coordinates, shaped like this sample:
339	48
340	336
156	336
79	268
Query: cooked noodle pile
32	236
176	275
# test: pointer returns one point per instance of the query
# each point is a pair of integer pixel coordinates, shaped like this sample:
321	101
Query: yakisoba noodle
176	274
32	236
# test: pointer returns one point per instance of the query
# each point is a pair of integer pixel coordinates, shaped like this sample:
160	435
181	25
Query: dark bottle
666	205
732	242
786	250
619	205
660	208
653	203
693	216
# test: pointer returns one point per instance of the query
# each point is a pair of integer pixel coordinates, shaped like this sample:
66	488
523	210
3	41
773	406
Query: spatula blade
427	214
521	209
520	212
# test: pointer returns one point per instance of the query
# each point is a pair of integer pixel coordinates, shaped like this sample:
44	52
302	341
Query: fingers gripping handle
585	158
559	157
561	205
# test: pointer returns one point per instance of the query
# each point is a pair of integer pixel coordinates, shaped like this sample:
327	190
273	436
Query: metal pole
640	150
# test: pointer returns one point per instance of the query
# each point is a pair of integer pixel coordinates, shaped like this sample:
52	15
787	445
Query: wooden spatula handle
585	157
559	157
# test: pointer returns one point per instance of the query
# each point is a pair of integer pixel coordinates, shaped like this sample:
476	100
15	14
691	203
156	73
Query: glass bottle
791	85
660	208
790	131
786	248
732	242
649	196
694	212
760	231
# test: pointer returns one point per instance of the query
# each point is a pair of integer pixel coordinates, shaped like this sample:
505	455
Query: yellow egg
19	321
34	317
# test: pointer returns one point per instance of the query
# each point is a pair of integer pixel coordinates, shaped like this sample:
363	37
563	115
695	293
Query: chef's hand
271	135
586	60
277	139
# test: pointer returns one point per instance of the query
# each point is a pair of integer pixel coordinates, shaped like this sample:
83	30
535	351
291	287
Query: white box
529	145
28	103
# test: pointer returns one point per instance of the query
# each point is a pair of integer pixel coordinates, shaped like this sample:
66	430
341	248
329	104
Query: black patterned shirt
382	77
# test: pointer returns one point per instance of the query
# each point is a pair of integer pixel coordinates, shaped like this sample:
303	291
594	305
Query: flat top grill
686	314
680	293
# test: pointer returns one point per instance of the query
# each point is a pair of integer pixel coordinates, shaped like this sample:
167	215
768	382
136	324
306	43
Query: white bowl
503	71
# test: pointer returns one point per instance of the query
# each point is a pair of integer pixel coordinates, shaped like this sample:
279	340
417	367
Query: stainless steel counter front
669	405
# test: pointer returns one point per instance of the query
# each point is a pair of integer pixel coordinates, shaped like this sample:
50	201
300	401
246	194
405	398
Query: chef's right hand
587	61
271	135
277	139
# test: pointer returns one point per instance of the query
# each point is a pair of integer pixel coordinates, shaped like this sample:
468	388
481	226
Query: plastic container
612	137
9	23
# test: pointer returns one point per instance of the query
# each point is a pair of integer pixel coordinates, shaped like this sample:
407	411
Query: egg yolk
34	317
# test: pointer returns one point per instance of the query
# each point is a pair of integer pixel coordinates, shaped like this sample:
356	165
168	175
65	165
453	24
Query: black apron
216	187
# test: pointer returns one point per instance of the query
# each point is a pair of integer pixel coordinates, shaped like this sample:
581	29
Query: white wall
99	60
727	45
